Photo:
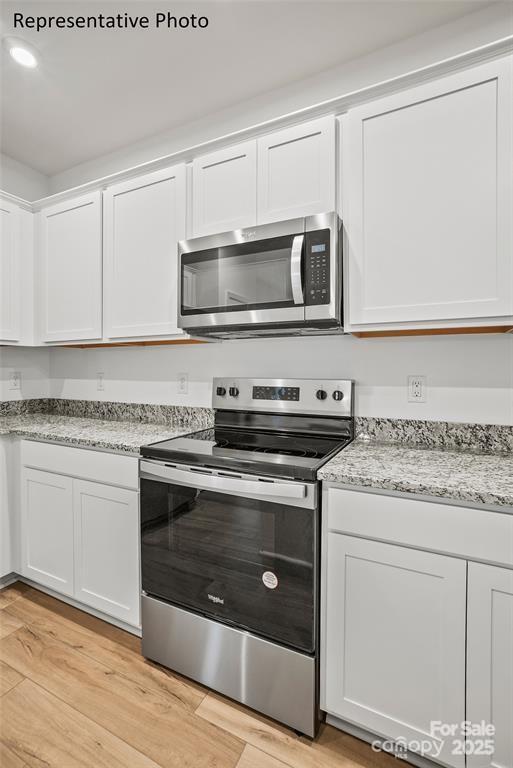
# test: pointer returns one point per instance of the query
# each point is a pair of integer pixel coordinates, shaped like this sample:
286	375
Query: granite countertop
123	436
467	463
474	477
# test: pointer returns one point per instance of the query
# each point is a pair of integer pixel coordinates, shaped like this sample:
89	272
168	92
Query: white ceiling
97	91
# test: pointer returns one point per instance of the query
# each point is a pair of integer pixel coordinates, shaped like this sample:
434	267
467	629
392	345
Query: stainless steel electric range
230	537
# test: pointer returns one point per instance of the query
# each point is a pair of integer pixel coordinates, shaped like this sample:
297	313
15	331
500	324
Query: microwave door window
238	277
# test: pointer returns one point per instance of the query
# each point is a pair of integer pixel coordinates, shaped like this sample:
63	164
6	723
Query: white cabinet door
107	549
70	255
224	190
490	660
395	639
10	274
143	219
427	201
47	529
6	511
296	171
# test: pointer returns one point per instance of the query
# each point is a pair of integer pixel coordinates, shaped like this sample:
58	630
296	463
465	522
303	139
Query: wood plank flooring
75	692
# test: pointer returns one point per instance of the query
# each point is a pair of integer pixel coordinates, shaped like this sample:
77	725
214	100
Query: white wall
21	180
34	366
469	378
464	34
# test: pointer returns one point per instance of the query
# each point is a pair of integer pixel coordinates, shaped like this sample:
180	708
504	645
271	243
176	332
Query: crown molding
336	105
19	201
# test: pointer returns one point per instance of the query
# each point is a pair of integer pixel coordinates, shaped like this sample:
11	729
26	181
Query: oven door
238	548
244	277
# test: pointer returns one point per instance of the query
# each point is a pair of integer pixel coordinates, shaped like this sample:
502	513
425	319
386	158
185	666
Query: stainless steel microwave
275	279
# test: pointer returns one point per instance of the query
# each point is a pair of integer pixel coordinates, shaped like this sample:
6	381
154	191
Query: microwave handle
295	269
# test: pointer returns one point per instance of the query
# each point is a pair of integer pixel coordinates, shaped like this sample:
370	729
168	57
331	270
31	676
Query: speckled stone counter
126	435
465	476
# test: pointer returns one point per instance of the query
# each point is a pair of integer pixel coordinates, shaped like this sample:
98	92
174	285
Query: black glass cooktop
271	453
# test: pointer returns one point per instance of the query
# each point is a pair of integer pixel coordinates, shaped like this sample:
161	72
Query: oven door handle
212	482
295	269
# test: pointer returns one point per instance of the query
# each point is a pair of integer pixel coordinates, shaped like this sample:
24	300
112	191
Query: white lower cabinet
8	558
80	537
47	529
490	660
395	639
411	636
106	525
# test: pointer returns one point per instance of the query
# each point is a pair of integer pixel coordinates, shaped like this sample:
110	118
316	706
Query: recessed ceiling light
22	56
21	52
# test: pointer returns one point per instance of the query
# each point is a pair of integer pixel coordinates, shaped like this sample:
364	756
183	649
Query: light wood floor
76	693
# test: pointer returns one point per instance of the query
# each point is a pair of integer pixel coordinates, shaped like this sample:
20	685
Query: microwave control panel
317	267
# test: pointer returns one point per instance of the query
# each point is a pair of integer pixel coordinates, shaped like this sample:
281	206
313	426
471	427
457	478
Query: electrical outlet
100	382
416	389
15	380
183	383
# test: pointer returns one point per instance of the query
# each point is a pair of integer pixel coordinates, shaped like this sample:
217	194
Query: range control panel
331	397
317	267
276	393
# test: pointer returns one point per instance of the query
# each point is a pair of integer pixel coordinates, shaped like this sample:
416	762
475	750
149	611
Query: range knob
321	394
338	395
221	391
234	392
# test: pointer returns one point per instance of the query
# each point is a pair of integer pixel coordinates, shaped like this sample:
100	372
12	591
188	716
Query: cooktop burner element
260	430
289	452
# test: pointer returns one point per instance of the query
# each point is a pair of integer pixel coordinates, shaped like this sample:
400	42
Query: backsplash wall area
469	378
34	367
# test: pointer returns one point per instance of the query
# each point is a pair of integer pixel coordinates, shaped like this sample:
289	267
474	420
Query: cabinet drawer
470	533
100	466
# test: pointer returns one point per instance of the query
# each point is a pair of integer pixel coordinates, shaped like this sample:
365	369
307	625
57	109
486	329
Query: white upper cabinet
427	201
142	222
10	274
282	175
296	171
490	660
70	258
224	190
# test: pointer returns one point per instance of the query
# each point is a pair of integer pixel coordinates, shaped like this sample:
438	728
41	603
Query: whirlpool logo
215	599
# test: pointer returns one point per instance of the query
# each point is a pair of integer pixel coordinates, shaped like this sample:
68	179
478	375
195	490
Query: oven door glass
247	276
245	562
